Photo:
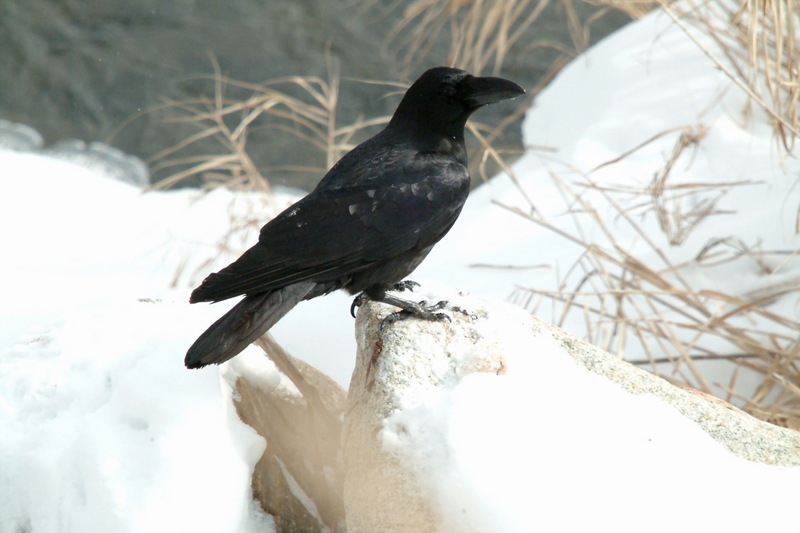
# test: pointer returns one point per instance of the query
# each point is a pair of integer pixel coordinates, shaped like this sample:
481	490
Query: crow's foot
377	293
419	310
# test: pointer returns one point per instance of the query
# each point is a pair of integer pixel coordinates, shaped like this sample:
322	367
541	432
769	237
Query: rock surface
380	492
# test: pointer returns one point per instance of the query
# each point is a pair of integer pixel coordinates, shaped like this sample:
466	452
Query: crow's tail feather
243	324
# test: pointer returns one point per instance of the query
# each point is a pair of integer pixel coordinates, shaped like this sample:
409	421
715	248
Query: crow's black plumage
369	223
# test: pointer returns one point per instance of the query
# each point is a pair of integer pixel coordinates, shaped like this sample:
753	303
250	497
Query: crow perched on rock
369	223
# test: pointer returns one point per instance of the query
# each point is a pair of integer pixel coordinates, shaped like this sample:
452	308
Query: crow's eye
449	90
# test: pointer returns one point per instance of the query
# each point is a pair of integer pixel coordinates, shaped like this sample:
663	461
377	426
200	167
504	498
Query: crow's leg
377	293
419	310
400	286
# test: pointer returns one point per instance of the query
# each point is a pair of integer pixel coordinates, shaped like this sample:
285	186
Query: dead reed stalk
635	300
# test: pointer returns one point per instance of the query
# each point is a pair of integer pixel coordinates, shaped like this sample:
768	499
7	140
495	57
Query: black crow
367	225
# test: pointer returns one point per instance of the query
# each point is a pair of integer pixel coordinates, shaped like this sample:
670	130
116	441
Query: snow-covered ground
101	427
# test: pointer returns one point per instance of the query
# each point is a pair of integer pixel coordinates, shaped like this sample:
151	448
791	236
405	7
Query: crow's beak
481	91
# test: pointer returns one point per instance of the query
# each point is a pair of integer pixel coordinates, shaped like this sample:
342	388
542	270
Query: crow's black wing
335	232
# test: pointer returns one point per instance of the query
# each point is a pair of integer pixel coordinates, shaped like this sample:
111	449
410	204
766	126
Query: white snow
595	456
102	429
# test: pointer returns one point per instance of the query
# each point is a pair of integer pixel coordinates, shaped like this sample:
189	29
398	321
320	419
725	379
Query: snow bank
489	423
103	428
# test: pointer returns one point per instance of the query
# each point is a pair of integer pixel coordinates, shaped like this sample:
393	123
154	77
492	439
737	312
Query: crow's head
443	98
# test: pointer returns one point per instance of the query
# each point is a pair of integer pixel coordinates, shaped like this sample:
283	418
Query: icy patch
19	137
104	159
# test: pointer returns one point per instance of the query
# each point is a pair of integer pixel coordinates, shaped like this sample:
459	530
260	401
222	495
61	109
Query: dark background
97	70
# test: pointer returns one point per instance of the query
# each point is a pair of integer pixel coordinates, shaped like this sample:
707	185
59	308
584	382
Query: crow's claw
357	302
435	307
391	318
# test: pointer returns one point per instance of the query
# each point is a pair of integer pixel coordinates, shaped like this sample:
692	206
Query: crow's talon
435	307
358	301
394	317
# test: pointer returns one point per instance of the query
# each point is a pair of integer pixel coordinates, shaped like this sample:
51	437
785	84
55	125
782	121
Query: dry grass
270	105
633	8
304	107
679	208
227	122
626	299
641	302
481	32
757	48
